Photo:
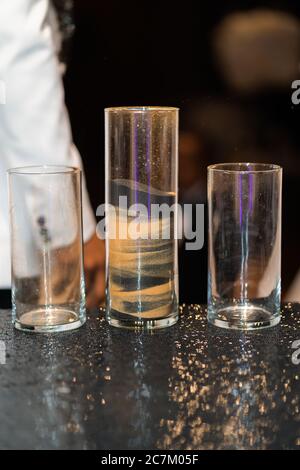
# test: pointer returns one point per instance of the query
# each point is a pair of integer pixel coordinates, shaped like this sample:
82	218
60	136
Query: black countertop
192	386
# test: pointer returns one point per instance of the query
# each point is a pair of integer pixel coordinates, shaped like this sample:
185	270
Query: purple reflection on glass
250	194
135	157
250	197
148	164
240	185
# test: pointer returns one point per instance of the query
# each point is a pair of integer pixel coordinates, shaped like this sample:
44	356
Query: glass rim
43	170
245	167
140	109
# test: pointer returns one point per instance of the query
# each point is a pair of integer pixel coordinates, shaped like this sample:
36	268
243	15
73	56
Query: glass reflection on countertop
191	386
234	390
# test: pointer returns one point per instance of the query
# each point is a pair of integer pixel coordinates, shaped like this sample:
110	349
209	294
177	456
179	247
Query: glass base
49	320
141	323
243	317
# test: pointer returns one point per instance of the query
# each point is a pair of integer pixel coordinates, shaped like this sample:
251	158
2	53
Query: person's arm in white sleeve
34	123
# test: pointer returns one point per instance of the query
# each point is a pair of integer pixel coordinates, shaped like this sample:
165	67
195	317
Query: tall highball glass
46	248
141	209
244	204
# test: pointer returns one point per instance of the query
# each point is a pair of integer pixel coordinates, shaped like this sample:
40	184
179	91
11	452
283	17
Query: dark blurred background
228	66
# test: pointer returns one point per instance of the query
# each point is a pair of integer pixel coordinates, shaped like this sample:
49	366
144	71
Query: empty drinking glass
244	204
46	248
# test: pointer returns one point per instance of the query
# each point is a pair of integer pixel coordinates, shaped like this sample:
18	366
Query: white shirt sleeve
34	124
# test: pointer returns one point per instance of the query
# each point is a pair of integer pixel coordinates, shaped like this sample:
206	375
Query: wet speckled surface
191	386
